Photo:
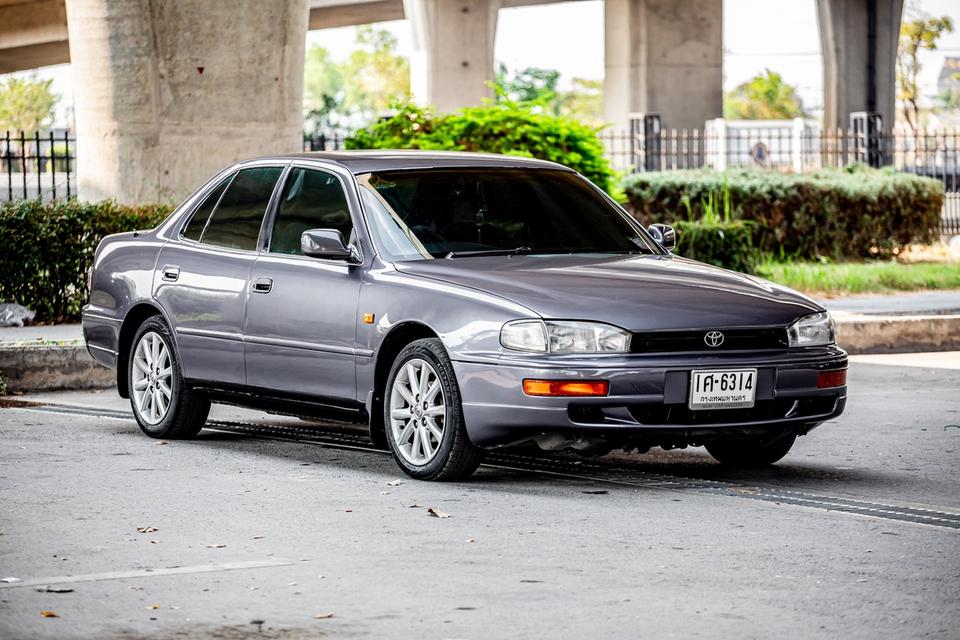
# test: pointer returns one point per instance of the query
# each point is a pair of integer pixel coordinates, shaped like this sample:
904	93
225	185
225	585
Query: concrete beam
167	93
341	13
453	51
33	33
666	57
858	40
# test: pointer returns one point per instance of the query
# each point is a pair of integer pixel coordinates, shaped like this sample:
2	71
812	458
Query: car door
301	325
202	275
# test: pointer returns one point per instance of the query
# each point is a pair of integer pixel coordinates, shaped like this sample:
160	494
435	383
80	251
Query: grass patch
862	277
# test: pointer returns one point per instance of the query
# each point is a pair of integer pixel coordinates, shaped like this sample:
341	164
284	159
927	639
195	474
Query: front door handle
171	272
262	285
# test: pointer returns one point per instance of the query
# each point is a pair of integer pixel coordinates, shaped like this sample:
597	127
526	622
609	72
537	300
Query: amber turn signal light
828	379
581	388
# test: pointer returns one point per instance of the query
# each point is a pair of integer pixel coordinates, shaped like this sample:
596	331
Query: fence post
796	144
645	128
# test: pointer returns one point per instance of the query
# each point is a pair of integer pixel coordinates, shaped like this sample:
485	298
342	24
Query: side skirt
274	401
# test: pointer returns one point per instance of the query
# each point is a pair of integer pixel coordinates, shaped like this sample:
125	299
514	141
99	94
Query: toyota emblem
713	338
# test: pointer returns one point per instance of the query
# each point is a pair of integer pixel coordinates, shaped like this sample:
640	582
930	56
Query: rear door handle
171	272
262	285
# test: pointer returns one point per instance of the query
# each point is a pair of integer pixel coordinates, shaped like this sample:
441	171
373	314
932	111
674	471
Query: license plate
723	388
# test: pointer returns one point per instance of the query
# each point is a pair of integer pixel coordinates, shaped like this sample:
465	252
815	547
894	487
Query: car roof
367	161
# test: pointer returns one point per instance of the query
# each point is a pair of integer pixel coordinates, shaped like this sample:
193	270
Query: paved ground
248	528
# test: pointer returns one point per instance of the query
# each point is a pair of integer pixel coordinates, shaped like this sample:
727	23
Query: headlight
813	330
564	337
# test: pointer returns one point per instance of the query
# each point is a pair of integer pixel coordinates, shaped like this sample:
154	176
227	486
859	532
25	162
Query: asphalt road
266	522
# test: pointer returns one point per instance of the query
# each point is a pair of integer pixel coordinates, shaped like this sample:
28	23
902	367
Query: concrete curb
58	367
897	334
52	367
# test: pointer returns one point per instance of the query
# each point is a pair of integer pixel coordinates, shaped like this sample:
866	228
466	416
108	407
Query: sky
781	35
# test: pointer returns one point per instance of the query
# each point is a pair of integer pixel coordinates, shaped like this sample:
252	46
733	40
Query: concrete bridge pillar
666	57
859	45
169	92
453	56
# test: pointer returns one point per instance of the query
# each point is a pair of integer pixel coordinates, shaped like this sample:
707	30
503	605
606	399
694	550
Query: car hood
639	293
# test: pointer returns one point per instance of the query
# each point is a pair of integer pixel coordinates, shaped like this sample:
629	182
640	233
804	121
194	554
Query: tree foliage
540	88
509	128
359	88
26	104
764	97
917	34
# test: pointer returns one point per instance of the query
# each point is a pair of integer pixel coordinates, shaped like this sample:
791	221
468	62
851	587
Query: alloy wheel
152	378
418	411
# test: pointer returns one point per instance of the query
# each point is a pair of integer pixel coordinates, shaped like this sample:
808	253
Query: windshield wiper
516	251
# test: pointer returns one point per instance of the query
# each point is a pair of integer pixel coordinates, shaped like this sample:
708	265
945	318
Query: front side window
236	222
198	221
310	200
435	213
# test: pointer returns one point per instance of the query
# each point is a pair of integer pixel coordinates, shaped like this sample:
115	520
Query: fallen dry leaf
49	614
436	513
324	616
49	589
161	442
147	529
216	546
395	483
153	606
470	540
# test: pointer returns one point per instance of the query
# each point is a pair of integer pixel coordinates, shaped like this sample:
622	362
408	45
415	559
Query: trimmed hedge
724	244
46	249
856	212
511	129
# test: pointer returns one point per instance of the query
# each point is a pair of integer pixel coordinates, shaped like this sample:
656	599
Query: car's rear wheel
163	405
423	415
751	453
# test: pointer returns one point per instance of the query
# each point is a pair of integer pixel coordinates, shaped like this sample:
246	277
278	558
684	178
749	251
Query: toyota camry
454	303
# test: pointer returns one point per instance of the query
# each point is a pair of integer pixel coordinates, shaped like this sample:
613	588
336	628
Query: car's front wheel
423	415
163	405
751	453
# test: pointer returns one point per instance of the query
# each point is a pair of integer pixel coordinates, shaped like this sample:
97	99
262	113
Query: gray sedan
454	303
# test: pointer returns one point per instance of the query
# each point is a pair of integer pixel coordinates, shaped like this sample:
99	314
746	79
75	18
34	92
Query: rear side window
310	200
194	228
236	222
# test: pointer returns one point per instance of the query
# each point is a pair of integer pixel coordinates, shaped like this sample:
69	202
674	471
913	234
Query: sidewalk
54	357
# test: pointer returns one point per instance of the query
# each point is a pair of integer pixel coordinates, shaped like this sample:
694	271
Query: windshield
453	213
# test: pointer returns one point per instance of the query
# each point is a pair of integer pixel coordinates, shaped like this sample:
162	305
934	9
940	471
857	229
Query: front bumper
648	397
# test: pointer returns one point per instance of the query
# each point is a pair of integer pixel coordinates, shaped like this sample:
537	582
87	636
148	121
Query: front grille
733	339
681	414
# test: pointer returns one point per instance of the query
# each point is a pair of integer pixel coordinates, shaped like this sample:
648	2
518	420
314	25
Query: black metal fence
791	146
43	165
37	165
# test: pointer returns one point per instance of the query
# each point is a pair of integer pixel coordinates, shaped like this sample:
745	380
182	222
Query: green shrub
724	244
511	128
46	249
856	212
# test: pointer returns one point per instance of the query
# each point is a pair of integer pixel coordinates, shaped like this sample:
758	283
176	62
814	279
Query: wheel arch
393	343
131	322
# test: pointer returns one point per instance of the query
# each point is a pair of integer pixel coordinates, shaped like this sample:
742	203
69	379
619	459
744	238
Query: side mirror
664	234
328	244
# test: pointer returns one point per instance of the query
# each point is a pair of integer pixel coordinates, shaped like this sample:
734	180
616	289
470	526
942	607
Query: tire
428	437
751	454
151	363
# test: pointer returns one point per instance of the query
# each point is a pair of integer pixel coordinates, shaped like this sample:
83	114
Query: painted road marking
148	573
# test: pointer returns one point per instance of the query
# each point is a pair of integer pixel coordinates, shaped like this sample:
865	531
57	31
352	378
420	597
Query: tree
322	90
764	97
26	104
374	76
539	88
918	34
